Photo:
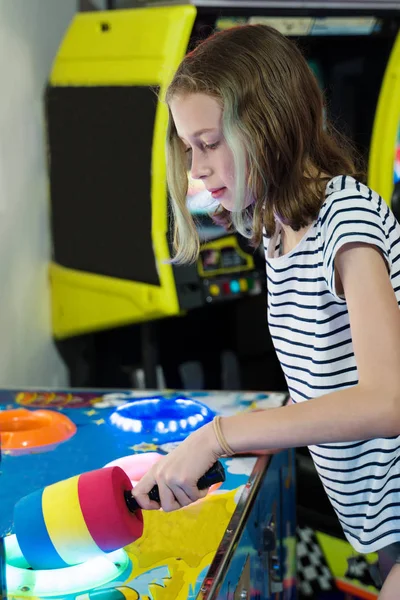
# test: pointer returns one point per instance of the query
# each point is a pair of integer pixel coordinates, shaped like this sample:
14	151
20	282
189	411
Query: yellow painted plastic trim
141	46
336	552
386	124
134	48
84	302
220	243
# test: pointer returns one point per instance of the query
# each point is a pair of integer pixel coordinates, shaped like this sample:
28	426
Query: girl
247	114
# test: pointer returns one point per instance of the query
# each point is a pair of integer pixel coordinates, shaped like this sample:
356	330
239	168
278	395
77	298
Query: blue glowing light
23	582
160	419
235	286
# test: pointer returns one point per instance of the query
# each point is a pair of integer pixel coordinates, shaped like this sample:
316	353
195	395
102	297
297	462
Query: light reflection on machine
3	587
397	159
201	206
225	268
22	581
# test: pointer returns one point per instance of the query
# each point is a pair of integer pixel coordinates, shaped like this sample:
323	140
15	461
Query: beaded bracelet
221	438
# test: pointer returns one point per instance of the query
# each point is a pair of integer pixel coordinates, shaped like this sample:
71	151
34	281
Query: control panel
227	271
224	287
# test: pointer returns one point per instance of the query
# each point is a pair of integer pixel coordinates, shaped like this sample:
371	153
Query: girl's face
198	121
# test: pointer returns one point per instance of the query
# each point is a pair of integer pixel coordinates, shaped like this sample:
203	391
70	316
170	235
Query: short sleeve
351	215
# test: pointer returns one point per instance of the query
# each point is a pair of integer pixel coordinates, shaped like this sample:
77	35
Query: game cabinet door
384	160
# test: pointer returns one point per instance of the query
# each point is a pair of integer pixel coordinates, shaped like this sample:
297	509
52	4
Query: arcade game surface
238	542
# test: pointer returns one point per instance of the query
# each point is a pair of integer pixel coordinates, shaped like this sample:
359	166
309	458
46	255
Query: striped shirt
310	328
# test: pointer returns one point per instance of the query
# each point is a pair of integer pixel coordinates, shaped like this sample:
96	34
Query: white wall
30	32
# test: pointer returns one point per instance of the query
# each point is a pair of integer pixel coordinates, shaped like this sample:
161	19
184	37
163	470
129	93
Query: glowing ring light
25	582
24	430
159	419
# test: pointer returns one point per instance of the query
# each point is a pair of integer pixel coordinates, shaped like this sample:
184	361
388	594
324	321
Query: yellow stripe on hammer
65	523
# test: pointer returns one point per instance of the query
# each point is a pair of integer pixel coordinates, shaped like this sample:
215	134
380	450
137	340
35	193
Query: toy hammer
82	517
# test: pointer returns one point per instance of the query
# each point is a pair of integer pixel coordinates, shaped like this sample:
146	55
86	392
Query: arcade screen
312	26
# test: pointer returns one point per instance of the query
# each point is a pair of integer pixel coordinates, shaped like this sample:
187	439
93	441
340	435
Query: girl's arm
367	410
267	451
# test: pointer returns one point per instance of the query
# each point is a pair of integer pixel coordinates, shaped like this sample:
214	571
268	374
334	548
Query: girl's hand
177	473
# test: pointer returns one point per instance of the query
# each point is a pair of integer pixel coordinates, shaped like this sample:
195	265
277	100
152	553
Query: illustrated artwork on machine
55	544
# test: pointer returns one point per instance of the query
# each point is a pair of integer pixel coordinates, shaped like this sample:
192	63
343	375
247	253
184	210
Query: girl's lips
218	193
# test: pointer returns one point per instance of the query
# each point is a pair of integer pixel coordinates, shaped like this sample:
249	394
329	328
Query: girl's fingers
141	493
146	504
168	500
181	496
193	492
177	474
203	493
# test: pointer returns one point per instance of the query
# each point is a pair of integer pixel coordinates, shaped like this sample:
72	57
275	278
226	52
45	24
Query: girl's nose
199	167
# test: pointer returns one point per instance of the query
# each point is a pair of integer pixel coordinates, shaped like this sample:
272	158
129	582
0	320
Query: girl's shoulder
354	213
340	185
346	196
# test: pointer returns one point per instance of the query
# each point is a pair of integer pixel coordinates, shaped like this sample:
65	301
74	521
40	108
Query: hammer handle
215	474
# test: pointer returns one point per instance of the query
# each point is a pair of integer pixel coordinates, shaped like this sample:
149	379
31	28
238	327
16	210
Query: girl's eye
211	146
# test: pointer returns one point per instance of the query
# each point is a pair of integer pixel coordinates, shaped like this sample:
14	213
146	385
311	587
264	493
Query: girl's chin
227	203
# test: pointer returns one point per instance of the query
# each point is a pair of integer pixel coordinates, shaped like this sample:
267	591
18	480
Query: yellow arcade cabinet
384	167
106	128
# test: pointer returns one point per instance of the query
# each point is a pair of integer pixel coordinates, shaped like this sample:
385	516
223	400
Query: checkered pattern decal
313	572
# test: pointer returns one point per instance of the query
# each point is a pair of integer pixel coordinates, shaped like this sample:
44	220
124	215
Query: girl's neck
290	238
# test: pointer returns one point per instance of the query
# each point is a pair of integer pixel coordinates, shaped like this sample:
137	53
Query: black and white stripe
310	327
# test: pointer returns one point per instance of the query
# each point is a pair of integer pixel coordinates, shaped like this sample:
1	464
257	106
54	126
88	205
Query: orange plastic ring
23	429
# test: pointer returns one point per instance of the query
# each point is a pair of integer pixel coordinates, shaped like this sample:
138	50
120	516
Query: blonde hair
284	151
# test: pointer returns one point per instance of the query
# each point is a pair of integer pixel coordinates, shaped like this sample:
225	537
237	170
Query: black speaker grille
100	141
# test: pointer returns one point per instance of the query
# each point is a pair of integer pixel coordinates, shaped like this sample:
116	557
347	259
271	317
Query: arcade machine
106	130
72	530
384	171
104	116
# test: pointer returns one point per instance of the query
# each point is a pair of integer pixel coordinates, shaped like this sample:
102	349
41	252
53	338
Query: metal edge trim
220	564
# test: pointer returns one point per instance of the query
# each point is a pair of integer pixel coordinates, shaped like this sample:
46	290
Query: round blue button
235	286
